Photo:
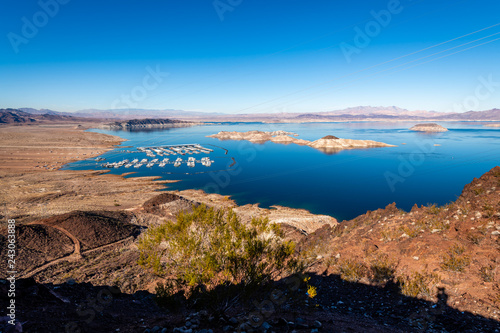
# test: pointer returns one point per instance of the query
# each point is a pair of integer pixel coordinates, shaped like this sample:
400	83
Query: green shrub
418	284
209	248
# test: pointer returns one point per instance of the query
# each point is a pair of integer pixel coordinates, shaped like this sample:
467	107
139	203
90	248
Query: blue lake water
343	185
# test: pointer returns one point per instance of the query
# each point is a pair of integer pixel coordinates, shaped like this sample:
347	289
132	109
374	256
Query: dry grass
455	260
382	269
351	270
487	273
418	284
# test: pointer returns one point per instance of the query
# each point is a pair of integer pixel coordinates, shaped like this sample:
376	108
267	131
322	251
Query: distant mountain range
14	116
359	113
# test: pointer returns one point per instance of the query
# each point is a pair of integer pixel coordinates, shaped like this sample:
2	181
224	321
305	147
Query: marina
169	150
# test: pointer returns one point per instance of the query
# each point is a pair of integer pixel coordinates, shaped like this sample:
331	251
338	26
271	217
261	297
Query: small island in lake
326	144
428	127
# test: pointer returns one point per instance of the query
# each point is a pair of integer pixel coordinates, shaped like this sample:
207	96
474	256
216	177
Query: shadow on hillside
387	306
340	306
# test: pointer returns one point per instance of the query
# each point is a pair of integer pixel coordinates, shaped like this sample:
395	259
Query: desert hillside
431	269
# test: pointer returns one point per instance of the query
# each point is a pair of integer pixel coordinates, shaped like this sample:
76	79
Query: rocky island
146	124
428	127
326	144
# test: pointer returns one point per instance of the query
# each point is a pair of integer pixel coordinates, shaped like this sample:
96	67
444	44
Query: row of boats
191	162
188	149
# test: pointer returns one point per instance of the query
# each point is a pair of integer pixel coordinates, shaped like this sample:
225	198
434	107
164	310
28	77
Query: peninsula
146	124
326	144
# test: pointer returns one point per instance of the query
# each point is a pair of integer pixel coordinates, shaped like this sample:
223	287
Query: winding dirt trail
77	253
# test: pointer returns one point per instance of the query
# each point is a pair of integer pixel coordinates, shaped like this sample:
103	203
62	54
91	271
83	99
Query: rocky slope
327	144
428	127
365	271
454	248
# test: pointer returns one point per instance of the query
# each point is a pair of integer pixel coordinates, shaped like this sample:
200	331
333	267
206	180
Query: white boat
128	165
138	165
162	164
177	163
135	160
149	165
206	161
144	160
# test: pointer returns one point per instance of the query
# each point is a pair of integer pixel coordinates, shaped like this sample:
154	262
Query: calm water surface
343	184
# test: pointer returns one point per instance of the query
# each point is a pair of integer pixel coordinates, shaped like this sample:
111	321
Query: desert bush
411	230
487	273
390	235
455	260
351	270
475	238
311	290
418	284
382	269
210	248
433	209
489	211
437	224
478	191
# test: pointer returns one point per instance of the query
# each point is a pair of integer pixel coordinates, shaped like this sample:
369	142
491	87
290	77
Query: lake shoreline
97	189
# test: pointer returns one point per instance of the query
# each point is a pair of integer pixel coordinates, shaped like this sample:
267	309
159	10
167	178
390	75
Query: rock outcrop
146	123
326	144
428	127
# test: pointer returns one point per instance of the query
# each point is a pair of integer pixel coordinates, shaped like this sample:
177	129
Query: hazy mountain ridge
359	113
15	116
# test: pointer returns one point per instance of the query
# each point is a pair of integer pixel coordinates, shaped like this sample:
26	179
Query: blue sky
242	56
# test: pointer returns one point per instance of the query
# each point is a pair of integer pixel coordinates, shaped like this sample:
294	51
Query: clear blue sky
242	56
